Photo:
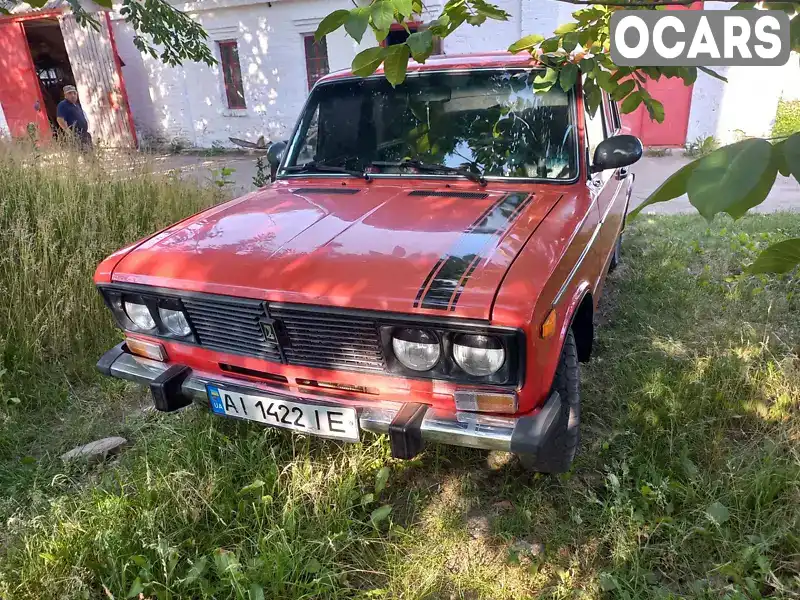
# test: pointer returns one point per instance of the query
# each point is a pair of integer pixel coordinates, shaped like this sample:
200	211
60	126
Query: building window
316	59
232	73
398	35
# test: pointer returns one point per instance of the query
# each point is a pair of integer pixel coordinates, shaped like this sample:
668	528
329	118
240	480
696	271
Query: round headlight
416	349
479	355
175	322
140	315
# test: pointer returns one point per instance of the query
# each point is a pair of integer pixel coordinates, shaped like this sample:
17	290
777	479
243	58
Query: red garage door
19	87
677	100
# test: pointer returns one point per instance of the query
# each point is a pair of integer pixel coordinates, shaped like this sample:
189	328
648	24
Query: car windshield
490	122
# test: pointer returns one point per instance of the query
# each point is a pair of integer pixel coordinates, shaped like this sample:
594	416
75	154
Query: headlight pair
155	316
477	355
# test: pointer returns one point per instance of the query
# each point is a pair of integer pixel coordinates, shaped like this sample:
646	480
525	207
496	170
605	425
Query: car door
605	186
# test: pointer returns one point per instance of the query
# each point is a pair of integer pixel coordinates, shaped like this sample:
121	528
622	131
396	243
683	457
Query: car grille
330	341
311	338
231	326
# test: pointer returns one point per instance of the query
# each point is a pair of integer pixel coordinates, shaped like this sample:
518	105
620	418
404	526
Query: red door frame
45	135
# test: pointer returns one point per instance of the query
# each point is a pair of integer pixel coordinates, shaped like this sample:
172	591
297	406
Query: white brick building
193	104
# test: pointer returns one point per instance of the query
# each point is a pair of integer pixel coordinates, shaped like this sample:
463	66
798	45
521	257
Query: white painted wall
4	131
746	105
791	79
189	103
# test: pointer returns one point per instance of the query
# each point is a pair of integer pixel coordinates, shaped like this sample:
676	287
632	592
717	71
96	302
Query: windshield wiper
314	166
423	166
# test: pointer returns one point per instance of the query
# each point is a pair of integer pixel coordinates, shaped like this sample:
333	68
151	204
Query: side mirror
617	152
274	158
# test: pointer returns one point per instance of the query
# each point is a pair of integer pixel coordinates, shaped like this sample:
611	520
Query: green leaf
526	43
550	44
381	478
489	10
689	75
421	44
569	41
367	61
733	179
607	582
674	186
631	103
313	566
404	7
256	592
382	14
197	570
605	80
396	63
713	73
587	65
791	153
625	88
331	23
256	485
356	23
543	82
655	109
778	258
566	28
103	3
718	512
135	589
568	76
380	514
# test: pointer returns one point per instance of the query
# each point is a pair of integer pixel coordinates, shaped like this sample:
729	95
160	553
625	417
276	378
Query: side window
613	121
595	131
231	73
308	152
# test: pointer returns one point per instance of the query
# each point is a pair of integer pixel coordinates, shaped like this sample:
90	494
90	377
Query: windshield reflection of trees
521	135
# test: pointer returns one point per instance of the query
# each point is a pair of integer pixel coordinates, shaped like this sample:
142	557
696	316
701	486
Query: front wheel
560	450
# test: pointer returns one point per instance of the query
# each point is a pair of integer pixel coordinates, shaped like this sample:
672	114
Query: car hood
436	249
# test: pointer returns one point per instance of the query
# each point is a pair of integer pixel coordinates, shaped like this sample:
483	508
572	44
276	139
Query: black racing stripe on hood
452	272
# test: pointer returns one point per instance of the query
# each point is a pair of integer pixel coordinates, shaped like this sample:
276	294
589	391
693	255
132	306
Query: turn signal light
492	402
549	324
150	350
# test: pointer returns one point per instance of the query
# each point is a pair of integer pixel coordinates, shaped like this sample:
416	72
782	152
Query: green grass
687	484
787	119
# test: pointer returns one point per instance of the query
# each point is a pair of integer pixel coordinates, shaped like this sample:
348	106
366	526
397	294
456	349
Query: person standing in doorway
72	120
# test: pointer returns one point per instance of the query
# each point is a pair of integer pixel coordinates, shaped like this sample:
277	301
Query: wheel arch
582	325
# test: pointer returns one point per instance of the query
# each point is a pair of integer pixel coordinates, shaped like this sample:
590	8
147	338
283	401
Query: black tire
560	451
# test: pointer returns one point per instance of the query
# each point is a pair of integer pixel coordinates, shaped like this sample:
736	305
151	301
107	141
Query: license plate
325	421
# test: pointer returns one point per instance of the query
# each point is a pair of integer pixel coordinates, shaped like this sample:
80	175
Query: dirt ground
650	173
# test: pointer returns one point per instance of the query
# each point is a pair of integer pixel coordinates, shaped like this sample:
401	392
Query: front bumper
407	424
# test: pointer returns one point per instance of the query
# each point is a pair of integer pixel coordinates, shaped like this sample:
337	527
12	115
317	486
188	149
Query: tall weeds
59	216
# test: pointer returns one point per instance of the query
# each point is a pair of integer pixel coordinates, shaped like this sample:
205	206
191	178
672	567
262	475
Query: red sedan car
426	265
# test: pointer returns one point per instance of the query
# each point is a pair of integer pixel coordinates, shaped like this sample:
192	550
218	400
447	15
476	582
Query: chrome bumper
459	429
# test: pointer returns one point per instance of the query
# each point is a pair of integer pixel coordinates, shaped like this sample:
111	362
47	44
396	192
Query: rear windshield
488	121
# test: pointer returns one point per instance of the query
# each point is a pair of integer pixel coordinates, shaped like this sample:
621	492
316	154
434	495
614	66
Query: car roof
455	62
